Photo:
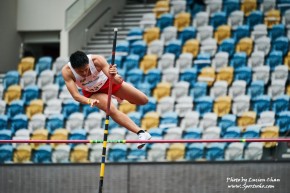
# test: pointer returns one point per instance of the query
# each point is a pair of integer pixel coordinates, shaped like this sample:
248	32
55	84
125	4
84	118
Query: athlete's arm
72	88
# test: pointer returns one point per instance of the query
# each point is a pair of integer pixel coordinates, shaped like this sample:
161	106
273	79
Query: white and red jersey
93	82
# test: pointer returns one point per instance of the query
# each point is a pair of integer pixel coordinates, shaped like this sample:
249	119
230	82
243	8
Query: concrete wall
208	177
9	38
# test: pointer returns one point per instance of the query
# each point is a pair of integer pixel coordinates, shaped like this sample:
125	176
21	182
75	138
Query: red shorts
103	89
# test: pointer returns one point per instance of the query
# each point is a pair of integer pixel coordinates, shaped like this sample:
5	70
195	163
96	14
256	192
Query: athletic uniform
97	82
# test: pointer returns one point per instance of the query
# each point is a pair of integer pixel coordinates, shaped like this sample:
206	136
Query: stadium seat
189	75
252	131
191	46
1	91
135	34
231	6
161	90
19	121
223	32
259	30
118	153
222	105
184	61
242	31
245	45
75	121
215	151
227	45
234	151
22	154
2	107
77	134
5	134
165	104
207	75
93	120
148	62
267	118
204	32
281	44
191	119
241	104
160	8
53	106
150	120
199	90
256	89
95	134
280	103
61	154
10	78
28	78
283	121
184	104
236	18
157	152
175	152
43	63
186	34
50	92
217	19
16	107
203	105
261	73
3	122
168	119
136	117
248	6
169	33
165	20
200	19
182	20
247	118
280	73
270	132
30	93
276	89
192	133
150	106
95	150
277	31
45	78
213	7
272	17
155	48
180	89
268	5
153	77
156	133
59	80
209	46
220	88
54	121
136	155
238	88
244	73
148	20
126	107
145	88
225	74
134	76
239	60
79	154
26	64
232	132
209	120
254	18
131	62
261	103
173	47
194	151
117	133
37	121
69	107
138	48
35	107
263	44
173	133
42	154
256	59
38	134
58	64
151	34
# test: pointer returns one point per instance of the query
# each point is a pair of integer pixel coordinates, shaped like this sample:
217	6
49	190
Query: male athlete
90	73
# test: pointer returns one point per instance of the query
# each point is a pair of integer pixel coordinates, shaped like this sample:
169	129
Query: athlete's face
83	71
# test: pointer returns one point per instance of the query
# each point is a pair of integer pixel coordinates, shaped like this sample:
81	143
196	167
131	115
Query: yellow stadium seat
22	154
287	60
270	132
79	154
160	8
247	118
181	21
223	105
175	152
127	107
39	134
162	89
149	62
207	75
26	64
35	107
226	74
59	134
222	32
13	93
150	120
272	17
248	6
245	45
151	34
191	46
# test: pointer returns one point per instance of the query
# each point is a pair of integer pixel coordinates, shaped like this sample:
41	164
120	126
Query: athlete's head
80	63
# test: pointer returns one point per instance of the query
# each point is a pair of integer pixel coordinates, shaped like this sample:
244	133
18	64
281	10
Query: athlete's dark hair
78	59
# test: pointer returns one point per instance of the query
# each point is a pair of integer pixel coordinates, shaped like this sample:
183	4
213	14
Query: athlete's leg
118	116
131	94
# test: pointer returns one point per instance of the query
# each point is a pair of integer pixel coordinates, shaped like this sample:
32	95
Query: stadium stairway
129	17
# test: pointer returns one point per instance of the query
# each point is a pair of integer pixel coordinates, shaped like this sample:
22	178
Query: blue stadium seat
165	20
135	34
244	73
145	88
227	121
196	8
280	104
3	122
173	47
283	6
5	134
42	154
215	151
189	75
122	48
186	34
228	45
131	62
10	78
239	60
16	107
135	117
59	80
199	90
87	109
283	121
19	122
136	154
277	31
241	32
156	133
194	151
44	63
153	77
255	17
256	89
232	132
218	19
275	58
6	153
118	61
118	153
252	132
30	93
192	133
77	134
202	61
281	44
169	119
112	124
134	76
54	121
139	48
203	105
231	5
150	106
69	107
261	103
